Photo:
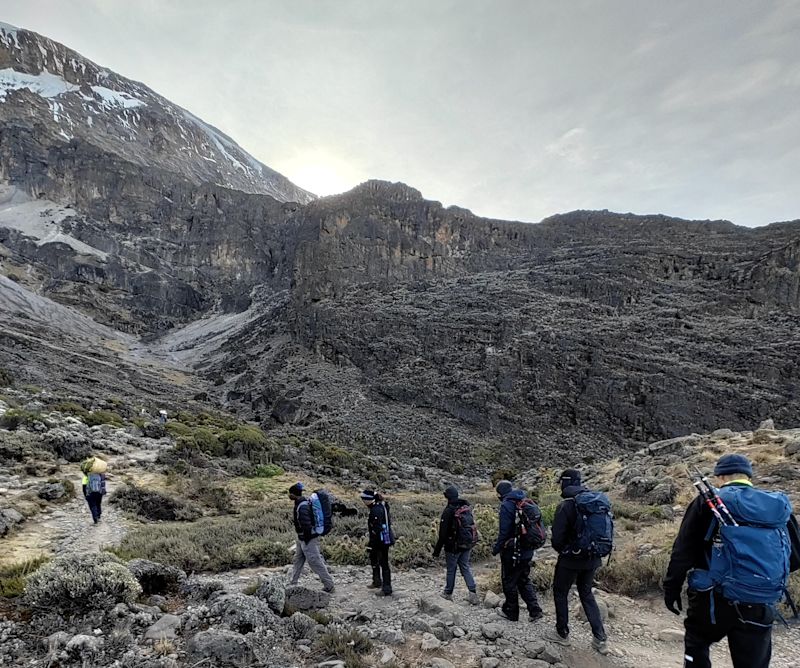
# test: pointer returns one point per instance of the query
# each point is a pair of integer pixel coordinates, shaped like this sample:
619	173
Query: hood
572	491
515	495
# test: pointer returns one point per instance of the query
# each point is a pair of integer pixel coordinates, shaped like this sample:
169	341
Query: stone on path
490	662
430	642
441	663
492	631
671	635
220	648
491	600
165	628
387	656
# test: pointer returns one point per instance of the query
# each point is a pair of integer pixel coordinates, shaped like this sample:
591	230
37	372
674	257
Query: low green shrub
14	418
153	505
78	583
6	378
268	471
350	646
71	408
630	574
99	417
640	512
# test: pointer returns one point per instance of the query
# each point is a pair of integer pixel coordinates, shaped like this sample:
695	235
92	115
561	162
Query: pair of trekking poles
721	513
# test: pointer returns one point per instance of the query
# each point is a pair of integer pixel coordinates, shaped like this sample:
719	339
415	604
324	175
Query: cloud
573	147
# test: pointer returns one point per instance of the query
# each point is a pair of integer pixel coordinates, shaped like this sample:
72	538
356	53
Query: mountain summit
68	97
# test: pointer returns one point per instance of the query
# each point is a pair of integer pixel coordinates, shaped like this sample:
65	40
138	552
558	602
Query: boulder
303	598
301	626
392	637
429	642
719	434
68	445
769	423
272	590
551	654
52	491
440	663
200	588
387	656
242	613
165	628
492	631
491	600
672	446
490	662
156	578
219	648
792	447
85	647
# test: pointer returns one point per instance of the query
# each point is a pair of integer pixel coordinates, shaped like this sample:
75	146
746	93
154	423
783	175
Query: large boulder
165	628
156	578
303	598
242	613
219	648
52	491
68	445
272	590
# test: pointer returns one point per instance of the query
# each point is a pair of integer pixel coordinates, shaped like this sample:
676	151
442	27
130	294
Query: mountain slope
69	97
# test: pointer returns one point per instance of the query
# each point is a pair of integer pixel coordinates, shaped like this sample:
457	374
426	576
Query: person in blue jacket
515	573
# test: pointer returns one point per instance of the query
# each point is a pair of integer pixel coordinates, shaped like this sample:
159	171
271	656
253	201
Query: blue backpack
750	562
322	509
96	483
595	526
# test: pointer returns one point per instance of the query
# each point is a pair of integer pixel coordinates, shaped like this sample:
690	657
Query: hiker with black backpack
381	538
521	533
309	527
94	485
582	534
737	545
458	534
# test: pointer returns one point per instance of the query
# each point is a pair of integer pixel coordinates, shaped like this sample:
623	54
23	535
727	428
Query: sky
515	109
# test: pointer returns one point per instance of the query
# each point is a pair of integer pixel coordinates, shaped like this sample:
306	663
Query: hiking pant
748	628
310	552
460	561
516	578
563	579
95	501
381	571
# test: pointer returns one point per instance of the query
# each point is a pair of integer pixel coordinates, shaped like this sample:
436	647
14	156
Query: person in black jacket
710	617
573	566
307	547
457	558
381	538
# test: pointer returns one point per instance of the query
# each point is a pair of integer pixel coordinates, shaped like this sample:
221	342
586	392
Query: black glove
673	602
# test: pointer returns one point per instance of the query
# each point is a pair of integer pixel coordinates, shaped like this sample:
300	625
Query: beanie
504	487
368	495
570	478
451	493
730	464
296	489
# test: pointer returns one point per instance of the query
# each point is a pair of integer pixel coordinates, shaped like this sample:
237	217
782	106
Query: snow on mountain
74	98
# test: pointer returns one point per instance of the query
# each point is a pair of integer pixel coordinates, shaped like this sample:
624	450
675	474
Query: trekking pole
706	495
717	500
792	606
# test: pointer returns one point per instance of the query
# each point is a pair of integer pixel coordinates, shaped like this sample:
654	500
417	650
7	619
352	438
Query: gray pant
310	552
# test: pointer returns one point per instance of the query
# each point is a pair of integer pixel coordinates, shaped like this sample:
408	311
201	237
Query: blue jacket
505	537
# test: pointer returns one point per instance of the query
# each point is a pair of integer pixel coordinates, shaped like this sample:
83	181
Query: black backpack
530	531
467	534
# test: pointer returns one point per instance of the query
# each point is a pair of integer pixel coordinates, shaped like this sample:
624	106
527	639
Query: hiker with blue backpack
380	539
737	545
458	534
310	523
582	534
521	533
94	485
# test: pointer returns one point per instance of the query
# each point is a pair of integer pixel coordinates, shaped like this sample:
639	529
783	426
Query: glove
673	602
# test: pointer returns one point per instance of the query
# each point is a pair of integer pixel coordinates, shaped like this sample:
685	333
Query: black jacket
447	528
379	515
564	533
304	519
692	550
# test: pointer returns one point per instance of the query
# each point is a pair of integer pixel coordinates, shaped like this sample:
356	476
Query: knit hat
570	478
368	495
451	493
296	489
730	464
504	487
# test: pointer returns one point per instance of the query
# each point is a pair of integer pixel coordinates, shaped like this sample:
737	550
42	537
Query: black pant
95	501
516	579
563	579
381	573
748	628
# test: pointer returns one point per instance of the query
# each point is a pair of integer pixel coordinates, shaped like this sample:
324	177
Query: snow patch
115	98
45	84
39	219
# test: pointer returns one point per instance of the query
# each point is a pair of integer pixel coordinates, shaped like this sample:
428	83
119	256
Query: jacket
692	550
564	533
379	515
304	519
447	528
504	545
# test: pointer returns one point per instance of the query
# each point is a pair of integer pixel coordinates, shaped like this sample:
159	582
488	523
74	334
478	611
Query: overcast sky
515	109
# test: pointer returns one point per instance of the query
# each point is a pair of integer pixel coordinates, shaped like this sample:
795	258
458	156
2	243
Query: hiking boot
473	599
557	638
446	596
383	593
504	615
375	585
329	590
600	646
536	616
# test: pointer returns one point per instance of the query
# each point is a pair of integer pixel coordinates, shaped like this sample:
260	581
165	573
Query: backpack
750	563
467	534
96	483
530	531
322	509
595	525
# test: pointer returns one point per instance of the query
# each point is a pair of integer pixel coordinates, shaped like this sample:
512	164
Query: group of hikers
736	545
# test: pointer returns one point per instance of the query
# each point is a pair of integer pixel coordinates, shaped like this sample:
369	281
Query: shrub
14	418
503	473
349	646
6	378
640	512
632	575
78	583
154	505
12	577
104	417
155	578
245	441
71	408
268	471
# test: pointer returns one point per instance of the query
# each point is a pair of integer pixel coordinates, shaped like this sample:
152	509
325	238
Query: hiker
457	535
521	532
307	546
381	538
94	485
720	601
575	536
162	417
